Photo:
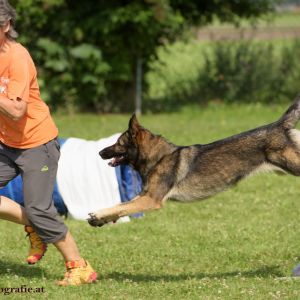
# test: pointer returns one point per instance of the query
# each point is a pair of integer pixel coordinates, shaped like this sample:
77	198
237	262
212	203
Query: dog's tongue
112	163
115	161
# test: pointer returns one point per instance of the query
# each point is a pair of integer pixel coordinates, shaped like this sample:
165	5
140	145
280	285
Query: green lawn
241	244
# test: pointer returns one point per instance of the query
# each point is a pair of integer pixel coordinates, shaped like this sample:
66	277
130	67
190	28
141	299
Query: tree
87	52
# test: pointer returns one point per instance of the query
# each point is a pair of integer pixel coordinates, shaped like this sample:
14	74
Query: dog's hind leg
138	204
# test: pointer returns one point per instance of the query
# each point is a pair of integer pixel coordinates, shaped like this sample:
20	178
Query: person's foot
78	272
37	247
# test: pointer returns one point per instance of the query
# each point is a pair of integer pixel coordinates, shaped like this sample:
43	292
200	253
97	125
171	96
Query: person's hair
8	14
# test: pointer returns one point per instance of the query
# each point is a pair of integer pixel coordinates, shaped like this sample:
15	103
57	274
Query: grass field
241	244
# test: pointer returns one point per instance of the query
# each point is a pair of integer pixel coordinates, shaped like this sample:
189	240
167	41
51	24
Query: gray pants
38	167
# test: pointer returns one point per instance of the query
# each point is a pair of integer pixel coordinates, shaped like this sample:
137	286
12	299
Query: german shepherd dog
195	172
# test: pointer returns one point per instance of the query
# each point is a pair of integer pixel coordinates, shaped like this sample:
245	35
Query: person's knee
47	224
34	215
30	212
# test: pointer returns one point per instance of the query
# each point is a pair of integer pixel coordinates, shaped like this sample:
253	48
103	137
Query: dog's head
126	149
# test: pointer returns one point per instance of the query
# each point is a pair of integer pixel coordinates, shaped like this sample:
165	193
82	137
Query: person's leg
68	248
38	170
9	210
12	211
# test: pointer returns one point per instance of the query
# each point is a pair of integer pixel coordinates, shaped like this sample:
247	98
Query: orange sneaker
78	272
37	247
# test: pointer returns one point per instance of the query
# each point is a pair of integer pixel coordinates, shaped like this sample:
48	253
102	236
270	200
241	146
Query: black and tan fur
188	173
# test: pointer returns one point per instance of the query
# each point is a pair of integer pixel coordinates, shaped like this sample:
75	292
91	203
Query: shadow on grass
22	270
264	272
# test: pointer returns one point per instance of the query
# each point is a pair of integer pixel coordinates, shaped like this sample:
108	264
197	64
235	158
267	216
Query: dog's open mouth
115	161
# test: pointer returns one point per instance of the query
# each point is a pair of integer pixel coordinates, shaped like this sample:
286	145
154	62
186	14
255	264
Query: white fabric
85	181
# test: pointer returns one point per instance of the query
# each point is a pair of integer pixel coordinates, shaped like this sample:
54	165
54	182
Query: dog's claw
94	221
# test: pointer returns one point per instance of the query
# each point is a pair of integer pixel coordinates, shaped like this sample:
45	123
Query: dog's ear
134	125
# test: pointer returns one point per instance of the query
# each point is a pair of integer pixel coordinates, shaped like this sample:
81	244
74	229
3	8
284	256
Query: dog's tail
292	115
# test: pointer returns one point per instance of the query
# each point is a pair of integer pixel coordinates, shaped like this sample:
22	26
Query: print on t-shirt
3	85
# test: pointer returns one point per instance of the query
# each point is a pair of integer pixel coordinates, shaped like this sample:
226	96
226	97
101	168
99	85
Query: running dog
187	173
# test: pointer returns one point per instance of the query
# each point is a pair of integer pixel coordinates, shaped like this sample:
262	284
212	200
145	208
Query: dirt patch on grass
267	33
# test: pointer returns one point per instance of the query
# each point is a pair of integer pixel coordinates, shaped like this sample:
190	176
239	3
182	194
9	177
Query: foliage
77	70
173	76
243	71
249	71
114	34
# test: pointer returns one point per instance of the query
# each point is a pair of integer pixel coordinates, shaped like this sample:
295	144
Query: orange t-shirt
18	79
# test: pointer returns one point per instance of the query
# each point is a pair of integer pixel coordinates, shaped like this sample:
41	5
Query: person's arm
12	108
13	103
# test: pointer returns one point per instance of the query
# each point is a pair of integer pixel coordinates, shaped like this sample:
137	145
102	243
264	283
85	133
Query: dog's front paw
95	221
98	220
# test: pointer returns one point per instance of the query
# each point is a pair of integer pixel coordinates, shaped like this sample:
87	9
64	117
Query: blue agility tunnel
128	180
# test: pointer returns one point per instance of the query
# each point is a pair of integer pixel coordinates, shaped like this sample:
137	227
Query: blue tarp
130	184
